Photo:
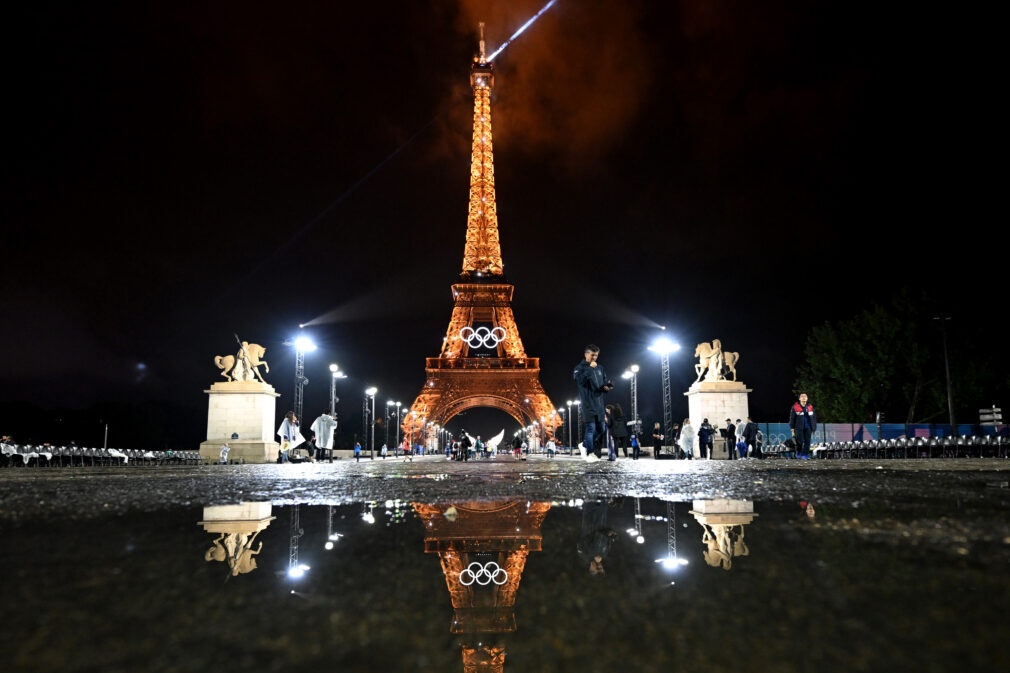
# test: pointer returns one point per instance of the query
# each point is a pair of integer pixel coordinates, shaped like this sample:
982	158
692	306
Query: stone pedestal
717	401
247	408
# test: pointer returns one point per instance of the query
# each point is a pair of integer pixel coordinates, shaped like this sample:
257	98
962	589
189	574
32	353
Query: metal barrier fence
777	433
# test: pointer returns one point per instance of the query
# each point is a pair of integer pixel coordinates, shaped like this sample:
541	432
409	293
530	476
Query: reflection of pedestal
237	527
723	524
247	408
717	401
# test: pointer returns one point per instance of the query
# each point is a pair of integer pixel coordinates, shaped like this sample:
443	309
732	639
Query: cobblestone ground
27	493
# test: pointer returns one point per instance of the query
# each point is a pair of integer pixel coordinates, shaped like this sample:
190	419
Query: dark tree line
889	358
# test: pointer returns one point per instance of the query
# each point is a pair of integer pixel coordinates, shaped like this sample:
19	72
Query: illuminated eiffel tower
483	362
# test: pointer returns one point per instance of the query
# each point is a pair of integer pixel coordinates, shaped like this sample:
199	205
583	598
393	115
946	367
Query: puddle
512	585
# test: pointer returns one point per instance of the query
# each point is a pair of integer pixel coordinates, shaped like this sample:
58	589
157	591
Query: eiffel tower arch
483	362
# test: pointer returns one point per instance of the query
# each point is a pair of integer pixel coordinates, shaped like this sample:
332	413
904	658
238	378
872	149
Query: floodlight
371	391
334	368
305	344
663	346
634	369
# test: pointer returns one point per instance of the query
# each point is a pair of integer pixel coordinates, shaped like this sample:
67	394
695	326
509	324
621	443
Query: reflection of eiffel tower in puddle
483	548
723	523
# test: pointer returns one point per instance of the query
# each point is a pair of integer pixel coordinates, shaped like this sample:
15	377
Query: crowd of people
606	427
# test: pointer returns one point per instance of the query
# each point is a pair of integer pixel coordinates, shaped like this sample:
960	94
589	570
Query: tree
882	359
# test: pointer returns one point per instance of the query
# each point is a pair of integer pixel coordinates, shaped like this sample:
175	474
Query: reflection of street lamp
370	392
672	561
664	347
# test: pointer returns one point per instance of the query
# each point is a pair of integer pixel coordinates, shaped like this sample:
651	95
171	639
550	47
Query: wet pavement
530	566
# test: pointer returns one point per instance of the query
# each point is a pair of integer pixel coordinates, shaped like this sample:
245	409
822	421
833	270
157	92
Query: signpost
990	416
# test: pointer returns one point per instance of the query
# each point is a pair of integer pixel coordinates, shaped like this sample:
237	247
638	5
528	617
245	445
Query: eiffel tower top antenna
483	55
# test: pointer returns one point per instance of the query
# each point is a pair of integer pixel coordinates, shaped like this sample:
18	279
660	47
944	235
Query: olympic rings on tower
482	336
483	574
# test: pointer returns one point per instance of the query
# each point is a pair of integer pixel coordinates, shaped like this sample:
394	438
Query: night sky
179	172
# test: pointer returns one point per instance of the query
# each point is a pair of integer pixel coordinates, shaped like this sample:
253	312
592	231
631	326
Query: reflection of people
596	538
802	423
593	384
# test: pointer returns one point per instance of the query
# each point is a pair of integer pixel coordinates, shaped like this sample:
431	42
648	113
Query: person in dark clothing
750	432
657	440
636	447
619	429
464	446
593	384
803	424
730	434
704	439
596	537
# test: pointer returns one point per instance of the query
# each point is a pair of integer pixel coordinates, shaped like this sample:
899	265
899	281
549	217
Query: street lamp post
580	433
389	412
302	345
664	347
632	374
568	403
370	392
397	426
335	374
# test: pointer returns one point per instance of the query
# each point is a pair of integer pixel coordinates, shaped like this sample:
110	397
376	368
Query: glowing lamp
664	346
305	344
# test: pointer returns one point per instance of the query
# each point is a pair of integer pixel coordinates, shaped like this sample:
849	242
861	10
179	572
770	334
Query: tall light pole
335	374
397	426
664	347
389	412
631	373
302	345
580	433
370	392
568	403
946	367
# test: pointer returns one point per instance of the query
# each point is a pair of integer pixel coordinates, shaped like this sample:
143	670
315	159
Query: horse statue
244	366
714	359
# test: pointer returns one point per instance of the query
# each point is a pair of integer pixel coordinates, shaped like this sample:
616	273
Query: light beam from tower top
514	35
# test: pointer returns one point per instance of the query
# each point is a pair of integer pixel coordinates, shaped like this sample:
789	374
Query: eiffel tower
483	362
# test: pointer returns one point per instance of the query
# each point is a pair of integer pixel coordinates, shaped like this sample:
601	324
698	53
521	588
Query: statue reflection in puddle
483	548
236	549
722	522
237	527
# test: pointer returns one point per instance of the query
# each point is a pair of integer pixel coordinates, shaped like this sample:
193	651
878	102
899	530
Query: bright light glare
640	539
371	391
305	344
627	375
334	368
663	346
368	517
329	545
294	572
635	368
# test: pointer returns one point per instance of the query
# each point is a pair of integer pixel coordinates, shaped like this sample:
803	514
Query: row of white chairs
42	455
964	446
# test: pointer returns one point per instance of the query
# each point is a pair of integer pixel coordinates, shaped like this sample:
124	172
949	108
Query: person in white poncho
323	427
687	438
290	436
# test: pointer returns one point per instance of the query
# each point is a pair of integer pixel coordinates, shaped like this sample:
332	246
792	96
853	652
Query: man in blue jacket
593	384
802	423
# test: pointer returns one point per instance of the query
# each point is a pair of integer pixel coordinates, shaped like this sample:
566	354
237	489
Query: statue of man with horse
243	366
711	357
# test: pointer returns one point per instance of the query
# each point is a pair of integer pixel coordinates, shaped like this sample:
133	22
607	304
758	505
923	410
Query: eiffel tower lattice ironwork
483	362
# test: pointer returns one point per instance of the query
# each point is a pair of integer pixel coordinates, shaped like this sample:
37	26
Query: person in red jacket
803	423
